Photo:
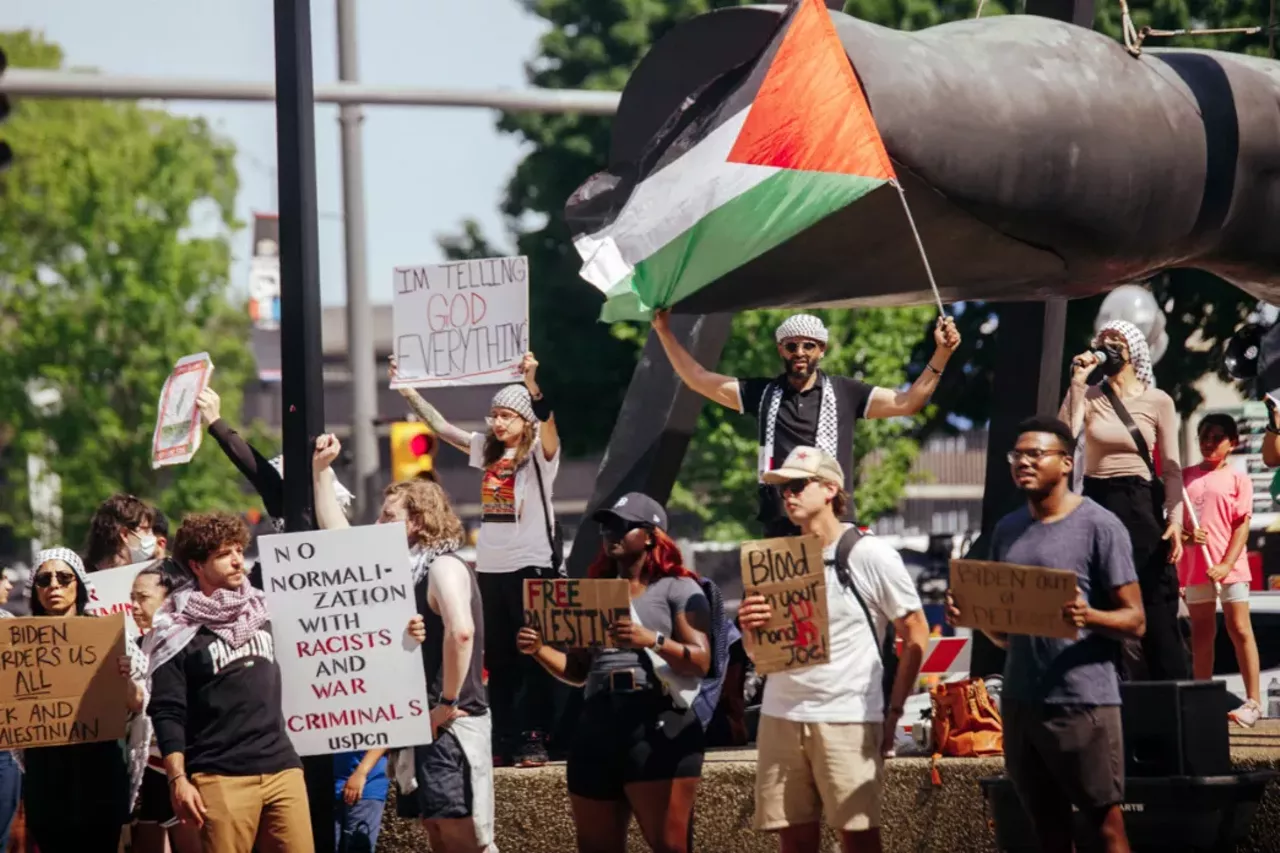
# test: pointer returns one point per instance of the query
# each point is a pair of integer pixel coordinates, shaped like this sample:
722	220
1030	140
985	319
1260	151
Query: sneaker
1246	715
532	751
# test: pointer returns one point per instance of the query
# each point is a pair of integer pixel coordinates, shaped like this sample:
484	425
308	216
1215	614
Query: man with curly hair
454	773
215	701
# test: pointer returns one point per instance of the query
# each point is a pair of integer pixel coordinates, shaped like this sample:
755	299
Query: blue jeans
10	795
356	827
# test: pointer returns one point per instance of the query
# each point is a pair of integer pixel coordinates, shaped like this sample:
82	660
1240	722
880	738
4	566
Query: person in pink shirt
1214	565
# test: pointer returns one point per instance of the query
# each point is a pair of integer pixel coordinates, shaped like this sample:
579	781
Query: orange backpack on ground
966	723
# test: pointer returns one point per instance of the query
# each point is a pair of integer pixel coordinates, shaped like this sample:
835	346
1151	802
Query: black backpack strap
1127	419
844	549
546	508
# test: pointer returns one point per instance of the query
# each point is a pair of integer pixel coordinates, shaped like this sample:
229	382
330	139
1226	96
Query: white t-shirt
513	525
848	688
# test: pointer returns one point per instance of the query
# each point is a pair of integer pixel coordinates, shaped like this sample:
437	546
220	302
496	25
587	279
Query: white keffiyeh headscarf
1139	351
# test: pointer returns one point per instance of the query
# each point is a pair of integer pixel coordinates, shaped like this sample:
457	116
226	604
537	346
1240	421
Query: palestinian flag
752	160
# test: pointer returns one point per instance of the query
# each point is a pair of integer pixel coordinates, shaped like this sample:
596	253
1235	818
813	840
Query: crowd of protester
208	763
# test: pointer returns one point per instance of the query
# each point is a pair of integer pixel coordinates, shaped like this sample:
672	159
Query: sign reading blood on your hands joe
178	433
60	682
340	604
462	323
576	613
1010	599
789	572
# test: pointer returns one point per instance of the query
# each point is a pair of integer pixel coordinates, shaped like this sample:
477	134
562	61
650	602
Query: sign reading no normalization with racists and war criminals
340	603
462	323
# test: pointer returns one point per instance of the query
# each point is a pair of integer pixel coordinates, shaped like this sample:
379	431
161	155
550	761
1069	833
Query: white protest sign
111	593
340	603
178	433
464	323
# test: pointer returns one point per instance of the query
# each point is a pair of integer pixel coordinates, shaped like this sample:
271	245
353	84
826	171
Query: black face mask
1115	359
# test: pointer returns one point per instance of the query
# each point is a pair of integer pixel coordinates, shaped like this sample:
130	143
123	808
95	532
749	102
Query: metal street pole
301	366
26	82
360	347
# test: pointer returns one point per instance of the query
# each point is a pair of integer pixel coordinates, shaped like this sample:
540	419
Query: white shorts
1203	593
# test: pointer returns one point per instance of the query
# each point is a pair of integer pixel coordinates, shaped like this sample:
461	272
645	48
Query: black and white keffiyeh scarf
828	436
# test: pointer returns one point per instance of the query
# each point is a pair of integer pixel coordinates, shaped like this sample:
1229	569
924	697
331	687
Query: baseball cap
807	463
635	507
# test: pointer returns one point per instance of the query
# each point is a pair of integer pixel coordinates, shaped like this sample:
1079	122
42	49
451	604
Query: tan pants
270	812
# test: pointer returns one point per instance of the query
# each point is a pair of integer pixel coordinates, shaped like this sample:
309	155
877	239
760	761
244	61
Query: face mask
144	550
1115	358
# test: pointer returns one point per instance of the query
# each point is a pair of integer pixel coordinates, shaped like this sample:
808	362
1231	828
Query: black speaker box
1175	728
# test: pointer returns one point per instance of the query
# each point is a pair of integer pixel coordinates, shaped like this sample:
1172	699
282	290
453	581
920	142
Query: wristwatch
449	703
658	640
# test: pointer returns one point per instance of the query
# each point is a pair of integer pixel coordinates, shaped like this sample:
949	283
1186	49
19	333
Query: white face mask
145	549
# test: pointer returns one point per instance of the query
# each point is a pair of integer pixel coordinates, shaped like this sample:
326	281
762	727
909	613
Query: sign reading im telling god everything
340	603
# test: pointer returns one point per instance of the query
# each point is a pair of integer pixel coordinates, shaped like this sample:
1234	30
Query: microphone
1098	354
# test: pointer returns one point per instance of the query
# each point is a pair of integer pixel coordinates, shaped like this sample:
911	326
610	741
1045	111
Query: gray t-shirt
657	608
1094	544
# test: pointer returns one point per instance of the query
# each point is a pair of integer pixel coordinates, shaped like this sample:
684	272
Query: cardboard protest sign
576	613
111	593
60	682
790	574
1013	599
178	433
340	603
464	323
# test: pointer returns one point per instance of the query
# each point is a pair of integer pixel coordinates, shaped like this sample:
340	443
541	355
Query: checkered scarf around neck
341	492
72	559
1139	352
828	436
234	615
421	557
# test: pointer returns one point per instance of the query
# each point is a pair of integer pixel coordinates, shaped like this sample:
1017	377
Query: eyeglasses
793	347
501	418
795	487
45	580
1033	456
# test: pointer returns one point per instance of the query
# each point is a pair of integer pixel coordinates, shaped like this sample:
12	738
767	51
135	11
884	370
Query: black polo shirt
797	424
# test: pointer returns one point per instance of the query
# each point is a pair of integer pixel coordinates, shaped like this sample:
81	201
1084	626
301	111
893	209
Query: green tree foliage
113	264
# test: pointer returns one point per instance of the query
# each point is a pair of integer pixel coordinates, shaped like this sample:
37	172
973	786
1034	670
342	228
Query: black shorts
623	738
154	805
1056	754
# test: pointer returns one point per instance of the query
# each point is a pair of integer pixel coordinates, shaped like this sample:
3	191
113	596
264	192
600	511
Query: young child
1222	499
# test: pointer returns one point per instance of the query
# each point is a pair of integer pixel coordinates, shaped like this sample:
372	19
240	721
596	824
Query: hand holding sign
1076	611
784	613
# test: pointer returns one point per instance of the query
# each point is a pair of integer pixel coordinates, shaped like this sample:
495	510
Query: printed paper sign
1013	599
111	593
464	323
790	574
576	613
340	603
60	681
178	433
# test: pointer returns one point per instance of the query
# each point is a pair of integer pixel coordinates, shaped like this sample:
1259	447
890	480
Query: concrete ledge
533	813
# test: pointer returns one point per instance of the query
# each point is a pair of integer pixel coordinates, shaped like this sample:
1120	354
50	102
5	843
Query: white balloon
1159	348
1133	303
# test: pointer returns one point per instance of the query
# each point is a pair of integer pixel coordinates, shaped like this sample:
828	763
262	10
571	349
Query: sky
426	169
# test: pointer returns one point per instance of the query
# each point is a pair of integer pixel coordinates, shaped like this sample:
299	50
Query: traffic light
413	450
6	153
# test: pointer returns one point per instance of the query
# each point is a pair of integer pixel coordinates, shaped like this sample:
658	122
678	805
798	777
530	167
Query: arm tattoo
425	410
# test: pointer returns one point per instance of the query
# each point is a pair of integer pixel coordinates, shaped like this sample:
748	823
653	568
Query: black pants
65	836
519	689
1164	655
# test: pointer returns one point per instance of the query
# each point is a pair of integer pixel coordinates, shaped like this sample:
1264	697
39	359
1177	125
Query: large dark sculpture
1040	159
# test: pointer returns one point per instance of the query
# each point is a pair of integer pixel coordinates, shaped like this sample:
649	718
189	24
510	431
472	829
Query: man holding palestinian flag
756	158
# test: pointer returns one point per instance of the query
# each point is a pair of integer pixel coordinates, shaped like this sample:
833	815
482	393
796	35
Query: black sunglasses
620	527
45	580
795	487
793	347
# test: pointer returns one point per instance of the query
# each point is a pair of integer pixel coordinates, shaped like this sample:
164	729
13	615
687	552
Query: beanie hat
801	326
516	398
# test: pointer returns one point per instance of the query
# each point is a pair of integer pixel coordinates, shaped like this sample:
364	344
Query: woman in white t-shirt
519	455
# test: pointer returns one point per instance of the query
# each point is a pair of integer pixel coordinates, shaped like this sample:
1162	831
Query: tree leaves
105	283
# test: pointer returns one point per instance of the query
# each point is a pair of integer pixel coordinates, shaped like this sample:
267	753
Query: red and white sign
945	655
178	433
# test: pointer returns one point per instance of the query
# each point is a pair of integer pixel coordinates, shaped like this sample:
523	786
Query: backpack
888	647
722	635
